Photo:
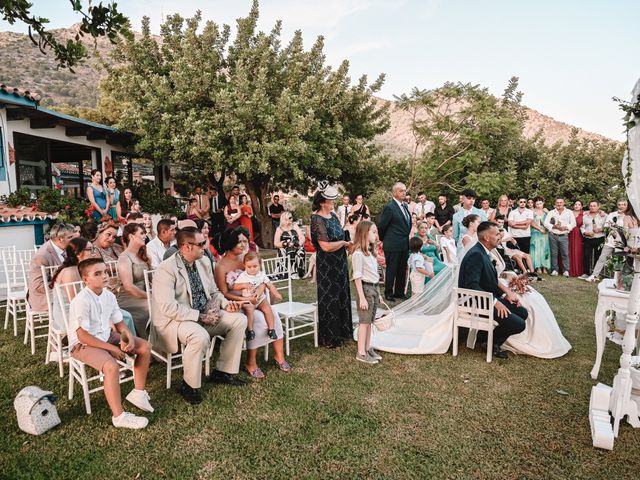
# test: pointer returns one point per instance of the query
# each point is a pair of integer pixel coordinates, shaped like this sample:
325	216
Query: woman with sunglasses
132	296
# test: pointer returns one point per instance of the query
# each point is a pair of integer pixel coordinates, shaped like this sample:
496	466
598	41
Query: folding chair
36	320
300	319
77	369
474	310
3	278
16	283
173	361
56	332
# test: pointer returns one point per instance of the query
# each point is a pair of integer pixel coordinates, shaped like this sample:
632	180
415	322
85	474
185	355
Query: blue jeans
561	243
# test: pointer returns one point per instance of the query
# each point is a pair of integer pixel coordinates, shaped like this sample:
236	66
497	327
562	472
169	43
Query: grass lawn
332	417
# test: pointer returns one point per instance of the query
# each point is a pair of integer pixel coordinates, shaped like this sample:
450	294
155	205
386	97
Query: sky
571	56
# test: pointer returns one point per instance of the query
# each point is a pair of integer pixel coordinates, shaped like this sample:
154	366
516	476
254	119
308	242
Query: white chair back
278	269
148	283
112	268
47	275
14	272
64	293
474	309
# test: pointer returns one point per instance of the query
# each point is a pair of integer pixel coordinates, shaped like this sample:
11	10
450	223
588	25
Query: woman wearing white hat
334	298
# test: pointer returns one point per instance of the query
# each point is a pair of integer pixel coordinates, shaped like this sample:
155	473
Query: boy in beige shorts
93	341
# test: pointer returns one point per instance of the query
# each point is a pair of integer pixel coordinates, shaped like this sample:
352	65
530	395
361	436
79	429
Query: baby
253	282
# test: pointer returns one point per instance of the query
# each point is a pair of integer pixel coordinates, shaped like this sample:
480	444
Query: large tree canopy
97	21
276	116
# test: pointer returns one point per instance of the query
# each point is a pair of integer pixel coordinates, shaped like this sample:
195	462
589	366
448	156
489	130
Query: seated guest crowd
192	303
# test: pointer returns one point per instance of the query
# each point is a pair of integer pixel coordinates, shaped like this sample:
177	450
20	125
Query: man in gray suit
187	308
50	254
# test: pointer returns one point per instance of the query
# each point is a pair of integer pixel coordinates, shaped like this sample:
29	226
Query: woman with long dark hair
113	195
132	295
334	298
124	205
246	215
234	245
97	195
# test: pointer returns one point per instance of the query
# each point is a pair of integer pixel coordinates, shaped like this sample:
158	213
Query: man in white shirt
592	229
344	210
559	222
92	341
520	225
157	247
613	219
50	254
423	207
468	198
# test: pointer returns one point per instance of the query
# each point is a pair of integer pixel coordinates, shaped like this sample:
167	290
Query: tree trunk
258	191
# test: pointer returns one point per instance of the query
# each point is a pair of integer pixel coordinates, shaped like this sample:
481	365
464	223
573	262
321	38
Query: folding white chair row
16	289
300	319
173	361
474	310
77	369
3	280
37	320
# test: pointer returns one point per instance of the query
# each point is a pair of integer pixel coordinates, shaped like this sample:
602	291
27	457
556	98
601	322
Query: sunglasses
201	244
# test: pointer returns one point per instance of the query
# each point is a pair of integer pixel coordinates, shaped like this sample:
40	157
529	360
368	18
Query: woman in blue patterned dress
540	251
113	195
334	298
430	248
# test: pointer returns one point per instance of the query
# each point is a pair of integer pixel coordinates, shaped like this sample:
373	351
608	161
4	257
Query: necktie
215	203
405	210
200	201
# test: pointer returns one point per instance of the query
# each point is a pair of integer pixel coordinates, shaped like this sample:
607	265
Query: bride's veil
436	297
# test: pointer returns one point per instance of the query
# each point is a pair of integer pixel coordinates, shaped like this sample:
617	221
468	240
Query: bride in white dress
541	337
424	323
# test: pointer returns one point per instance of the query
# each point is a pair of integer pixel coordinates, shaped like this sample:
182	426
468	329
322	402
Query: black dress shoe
401	297
225	378
191	395
499	353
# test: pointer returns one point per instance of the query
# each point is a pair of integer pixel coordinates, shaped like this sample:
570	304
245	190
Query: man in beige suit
183	310
48	255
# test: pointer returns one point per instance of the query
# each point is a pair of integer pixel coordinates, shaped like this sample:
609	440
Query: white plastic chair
77	369
55	348
16	289
173	361
36	320
300	319
474	310
3	282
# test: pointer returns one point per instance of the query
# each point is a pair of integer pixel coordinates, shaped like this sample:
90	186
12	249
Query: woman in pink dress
246	214
576	266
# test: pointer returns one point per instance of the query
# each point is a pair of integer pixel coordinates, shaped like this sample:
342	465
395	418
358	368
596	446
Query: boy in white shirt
93	341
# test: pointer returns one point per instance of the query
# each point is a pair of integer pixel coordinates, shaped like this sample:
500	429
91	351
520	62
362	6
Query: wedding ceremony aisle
423	416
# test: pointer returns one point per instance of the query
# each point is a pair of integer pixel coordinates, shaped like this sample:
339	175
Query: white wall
56	133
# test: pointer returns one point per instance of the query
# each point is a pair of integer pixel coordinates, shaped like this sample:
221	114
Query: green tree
276	116
97	21
464	136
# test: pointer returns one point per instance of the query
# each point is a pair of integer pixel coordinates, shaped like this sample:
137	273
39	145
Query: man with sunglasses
520	225
187	309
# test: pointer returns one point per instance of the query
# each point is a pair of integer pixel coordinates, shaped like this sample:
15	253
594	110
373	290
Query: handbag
35	410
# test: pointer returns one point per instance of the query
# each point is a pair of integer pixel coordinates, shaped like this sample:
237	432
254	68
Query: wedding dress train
424	324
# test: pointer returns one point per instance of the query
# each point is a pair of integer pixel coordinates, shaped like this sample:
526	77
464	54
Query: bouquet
519	284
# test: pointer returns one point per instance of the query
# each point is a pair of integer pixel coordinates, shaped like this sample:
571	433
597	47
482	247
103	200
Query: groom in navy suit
394	228
478	272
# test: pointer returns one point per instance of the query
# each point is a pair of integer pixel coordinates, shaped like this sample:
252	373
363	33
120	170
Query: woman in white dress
470	238
541	337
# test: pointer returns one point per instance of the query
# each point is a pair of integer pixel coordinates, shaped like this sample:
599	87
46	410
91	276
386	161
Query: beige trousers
196	338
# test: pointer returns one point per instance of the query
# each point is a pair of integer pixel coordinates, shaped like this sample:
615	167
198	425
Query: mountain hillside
22	65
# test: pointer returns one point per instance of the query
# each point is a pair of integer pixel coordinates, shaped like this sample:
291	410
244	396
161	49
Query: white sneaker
140	398
565	274
373	354
295	276
584	276
554	273
591	279
129	420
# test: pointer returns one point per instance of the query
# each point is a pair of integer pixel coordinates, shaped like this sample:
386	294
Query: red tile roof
23	214
20	92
